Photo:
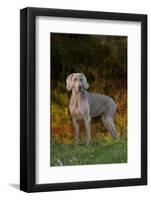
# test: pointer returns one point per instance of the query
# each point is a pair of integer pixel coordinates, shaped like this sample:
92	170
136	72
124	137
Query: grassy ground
99	152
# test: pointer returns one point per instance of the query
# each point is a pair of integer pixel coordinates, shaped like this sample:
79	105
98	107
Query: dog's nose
79	87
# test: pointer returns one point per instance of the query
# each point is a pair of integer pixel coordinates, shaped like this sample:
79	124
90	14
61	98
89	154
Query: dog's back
100	104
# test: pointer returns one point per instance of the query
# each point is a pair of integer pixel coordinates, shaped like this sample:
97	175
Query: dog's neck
76	96
78	93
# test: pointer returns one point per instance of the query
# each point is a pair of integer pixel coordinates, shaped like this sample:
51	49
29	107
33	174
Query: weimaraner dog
85	105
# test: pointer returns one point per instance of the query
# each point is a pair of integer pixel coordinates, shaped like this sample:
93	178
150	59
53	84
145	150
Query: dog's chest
77	106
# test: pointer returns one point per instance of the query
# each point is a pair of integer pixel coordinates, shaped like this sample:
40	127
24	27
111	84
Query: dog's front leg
77	131
88	129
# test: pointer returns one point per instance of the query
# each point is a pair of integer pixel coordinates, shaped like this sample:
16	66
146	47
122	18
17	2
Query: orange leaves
62	129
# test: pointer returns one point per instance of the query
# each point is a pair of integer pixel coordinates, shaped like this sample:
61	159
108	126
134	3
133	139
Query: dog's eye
80	79
75	79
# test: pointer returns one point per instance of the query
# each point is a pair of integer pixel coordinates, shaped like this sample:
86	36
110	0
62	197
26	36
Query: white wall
9	98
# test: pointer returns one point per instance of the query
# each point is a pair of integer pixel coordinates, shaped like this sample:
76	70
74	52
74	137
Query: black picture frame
28	99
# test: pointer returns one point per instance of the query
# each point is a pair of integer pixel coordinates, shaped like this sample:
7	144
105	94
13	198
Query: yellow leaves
66	111
121	122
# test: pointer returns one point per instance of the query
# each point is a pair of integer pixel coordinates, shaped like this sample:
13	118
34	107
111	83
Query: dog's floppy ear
69	82
84	80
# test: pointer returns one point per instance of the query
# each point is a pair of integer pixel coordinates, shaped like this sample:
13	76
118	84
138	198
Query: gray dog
85	105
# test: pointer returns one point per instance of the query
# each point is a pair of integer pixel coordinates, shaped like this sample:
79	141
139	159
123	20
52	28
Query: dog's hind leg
109	124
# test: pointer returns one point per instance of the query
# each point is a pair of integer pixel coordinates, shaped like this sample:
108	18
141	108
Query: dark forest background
96	56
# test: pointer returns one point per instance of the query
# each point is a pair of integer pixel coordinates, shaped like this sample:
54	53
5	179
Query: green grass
99	152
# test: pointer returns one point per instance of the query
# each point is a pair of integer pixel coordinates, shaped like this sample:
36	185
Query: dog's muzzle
79	87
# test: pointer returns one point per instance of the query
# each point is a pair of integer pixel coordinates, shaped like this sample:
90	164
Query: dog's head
76	81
